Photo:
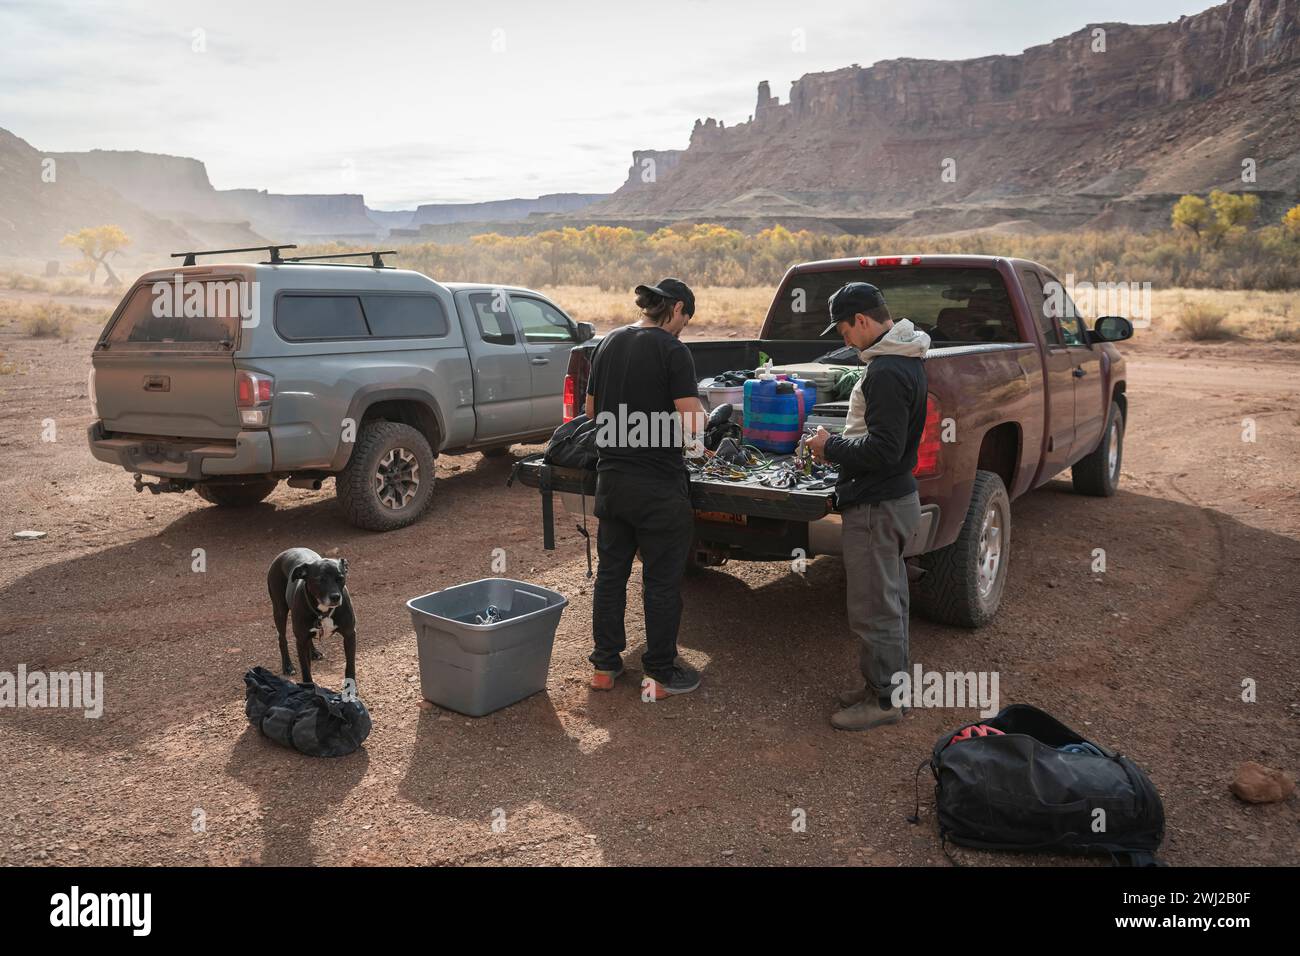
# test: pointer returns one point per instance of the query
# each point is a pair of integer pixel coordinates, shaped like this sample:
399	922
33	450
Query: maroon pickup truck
1017	394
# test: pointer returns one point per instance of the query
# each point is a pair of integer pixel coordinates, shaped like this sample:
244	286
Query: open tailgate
706	495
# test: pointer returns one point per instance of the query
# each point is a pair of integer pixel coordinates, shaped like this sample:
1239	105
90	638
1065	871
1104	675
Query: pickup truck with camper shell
227	378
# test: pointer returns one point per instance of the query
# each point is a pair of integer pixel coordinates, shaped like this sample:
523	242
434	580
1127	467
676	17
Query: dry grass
58	285
44	322
48	320
1216	314
717	308
1252	315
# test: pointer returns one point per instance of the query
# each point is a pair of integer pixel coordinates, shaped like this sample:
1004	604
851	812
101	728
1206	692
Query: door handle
539	360
1080	372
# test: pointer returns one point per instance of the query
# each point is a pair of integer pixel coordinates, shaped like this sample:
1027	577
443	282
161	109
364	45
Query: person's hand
816	443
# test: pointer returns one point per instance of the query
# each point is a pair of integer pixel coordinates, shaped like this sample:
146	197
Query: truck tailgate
722	497
172	394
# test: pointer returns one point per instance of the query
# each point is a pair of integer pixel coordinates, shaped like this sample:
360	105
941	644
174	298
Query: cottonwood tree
1224	214
96	244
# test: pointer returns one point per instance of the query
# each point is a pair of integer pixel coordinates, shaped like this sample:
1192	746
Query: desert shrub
615	258
1202	322
44	322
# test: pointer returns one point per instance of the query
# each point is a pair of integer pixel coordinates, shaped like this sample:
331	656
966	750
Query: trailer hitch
162	486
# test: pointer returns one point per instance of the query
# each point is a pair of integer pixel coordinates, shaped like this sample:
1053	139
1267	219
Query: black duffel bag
309	719
573	445
1019	791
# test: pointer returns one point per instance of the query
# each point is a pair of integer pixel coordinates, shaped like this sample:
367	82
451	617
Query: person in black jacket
876	492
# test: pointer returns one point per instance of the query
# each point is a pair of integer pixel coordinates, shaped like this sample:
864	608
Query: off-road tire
950	591
1098	473
358	486
242	495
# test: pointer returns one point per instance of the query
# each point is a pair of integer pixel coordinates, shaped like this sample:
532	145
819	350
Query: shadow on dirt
293	792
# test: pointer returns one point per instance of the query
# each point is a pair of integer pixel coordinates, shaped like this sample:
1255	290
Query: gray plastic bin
478	668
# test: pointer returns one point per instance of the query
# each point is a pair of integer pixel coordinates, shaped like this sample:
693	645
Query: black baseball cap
850	299
672	289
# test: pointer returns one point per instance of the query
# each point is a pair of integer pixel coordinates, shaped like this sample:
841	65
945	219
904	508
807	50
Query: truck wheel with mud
963	582
1098	473
388	481
241	495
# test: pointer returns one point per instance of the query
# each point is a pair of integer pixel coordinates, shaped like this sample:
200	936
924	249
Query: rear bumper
826	535
192	461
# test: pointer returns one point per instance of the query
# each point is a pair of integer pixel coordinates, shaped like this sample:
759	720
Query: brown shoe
865	715
848	698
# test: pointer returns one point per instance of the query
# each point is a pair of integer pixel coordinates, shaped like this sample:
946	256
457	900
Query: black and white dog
313	590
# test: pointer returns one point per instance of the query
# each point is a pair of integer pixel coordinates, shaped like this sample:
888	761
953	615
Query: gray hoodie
902	339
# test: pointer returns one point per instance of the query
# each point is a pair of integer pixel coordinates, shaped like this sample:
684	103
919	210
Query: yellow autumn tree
96	244
1291	222
1191	213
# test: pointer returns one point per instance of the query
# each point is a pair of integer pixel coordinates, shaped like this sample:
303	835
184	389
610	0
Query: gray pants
874	538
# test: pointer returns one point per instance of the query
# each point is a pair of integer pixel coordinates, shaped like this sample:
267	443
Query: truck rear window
954	306
197	314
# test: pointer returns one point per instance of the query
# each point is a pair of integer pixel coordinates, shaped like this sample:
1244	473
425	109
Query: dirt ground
1202	549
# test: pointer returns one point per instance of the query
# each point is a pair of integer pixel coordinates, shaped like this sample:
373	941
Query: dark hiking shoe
865	715
848	698
604	680
682	680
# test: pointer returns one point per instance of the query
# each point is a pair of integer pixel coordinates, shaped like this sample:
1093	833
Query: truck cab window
1066	312
1037	298
539	321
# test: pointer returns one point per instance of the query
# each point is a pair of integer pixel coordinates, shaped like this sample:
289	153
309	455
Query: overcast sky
411	102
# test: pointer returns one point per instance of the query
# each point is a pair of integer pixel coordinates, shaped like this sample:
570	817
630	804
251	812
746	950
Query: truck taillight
90	391
253	394
570	399
890	261
927	453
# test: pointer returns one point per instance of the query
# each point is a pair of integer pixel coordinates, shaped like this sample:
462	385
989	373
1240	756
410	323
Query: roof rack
375	261
273	250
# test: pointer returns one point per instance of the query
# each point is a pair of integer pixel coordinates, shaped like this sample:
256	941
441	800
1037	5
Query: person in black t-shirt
643	395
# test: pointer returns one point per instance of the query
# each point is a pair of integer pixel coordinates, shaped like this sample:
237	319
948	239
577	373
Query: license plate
724	517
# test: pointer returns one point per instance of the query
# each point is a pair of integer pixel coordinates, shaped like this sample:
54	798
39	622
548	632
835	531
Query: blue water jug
773	419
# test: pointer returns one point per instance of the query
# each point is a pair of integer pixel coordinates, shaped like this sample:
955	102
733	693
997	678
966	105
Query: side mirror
1111	328
586	331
